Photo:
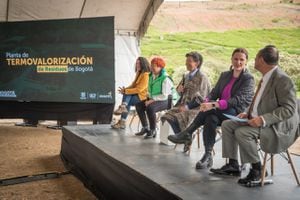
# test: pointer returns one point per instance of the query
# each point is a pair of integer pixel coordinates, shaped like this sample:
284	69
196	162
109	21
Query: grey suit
278	106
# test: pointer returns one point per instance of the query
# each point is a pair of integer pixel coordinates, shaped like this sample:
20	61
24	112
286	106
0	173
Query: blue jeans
130	100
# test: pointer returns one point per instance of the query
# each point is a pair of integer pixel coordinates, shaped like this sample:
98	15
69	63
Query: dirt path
26	151
222	15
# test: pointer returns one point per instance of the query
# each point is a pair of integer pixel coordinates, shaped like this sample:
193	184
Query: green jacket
155	86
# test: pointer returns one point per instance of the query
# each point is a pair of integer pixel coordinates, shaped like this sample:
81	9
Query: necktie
252	103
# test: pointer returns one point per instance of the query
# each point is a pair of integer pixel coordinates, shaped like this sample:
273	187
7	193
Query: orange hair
159	62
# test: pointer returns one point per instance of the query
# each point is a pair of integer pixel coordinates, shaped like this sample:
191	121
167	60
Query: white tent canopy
132	18
130	15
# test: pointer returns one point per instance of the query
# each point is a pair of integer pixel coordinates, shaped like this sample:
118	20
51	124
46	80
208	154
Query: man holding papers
272	118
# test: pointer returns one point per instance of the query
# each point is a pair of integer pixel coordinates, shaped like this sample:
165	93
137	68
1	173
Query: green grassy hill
215	28
216	48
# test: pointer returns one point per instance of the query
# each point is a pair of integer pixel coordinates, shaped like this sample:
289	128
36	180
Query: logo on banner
10	94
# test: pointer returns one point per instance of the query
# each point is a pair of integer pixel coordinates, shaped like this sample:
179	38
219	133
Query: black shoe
252	178
181	138
150	134
142	132
187	146
205	162
227	169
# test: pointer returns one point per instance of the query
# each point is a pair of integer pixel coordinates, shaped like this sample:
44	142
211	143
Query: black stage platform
119	165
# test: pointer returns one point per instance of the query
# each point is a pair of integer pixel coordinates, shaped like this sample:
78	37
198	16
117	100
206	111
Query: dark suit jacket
241	93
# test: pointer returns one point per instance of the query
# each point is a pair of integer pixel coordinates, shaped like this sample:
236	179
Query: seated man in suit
272	118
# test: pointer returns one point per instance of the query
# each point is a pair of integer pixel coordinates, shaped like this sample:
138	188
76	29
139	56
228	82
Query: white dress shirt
265	81
190	75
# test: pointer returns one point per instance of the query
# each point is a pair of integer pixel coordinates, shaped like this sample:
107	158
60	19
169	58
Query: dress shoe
252	178
227	169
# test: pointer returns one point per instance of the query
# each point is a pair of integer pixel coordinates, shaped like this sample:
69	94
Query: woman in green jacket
159	88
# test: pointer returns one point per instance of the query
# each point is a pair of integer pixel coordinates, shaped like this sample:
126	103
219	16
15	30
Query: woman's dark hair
270	54
145	66
240	50
197	57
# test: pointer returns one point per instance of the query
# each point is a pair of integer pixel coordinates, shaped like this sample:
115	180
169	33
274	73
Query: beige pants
235	135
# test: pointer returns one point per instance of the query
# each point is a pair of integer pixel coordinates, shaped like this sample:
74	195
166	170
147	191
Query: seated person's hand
121	90
242	115
206	107
180	89
256	122
182	108
147	103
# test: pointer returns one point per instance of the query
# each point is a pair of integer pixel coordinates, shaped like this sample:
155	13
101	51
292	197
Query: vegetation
216	48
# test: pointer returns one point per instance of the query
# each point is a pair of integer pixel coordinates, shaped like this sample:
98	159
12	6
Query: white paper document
235	118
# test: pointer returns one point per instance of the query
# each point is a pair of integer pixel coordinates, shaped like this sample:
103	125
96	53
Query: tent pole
7	10
148	15
81	11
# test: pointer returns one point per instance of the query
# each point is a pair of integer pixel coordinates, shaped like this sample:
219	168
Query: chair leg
226	160
264	170
139	123
131	120
272	164
175	146
198	138
293	167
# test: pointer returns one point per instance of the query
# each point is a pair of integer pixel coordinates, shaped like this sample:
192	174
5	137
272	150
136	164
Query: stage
118	165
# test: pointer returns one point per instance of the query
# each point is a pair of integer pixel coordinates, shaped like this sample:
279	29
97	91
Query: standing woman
232	95
159	88
134	93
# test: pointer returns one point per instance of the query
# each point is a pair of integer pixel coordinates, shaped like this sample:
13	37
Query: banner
70	60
